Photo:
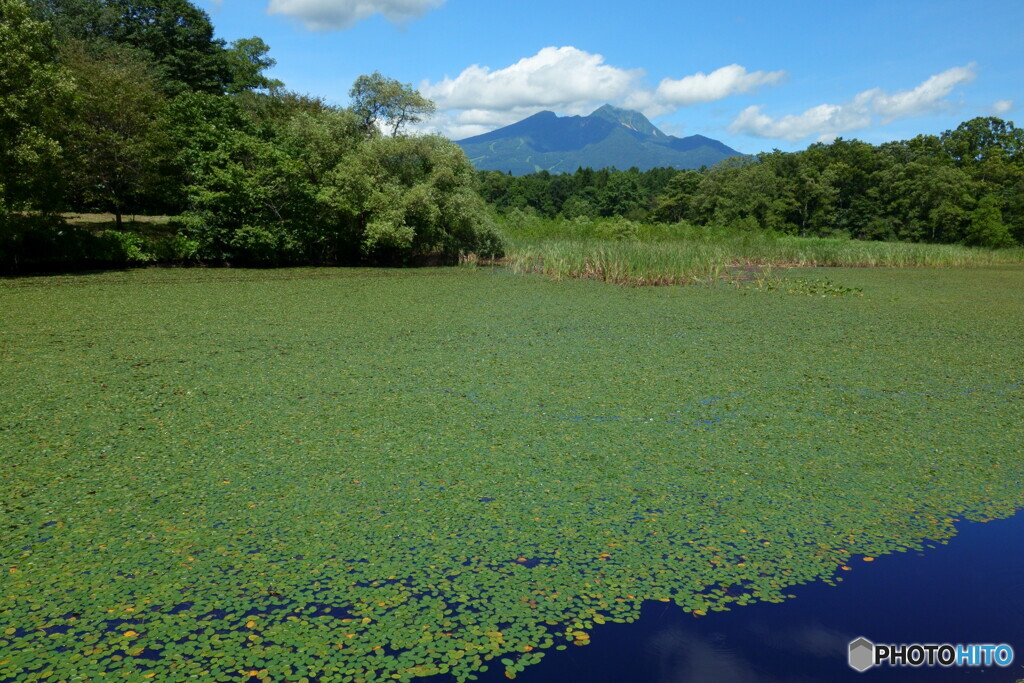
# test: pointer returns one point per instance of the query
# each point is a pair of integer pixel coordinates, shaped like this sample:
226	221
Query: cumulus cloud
1001	107
469	122
717	85
561	77
826	121
565	79
332	15
570	81
923	99
823	121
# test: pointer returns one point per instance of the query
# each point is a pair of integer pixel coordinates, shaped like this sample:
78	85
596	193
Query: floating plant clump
348	475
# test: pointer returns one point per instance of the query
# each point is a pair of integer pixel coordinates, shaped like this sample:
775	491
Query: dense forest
965	186
127	107
134	107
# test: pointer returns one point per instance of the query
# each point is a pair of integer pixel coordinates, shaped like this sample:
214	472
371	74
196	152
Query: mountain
633	120
608	137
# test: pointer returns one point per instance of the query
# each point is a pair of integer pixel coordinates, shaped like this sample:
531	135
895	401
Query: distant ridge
608	137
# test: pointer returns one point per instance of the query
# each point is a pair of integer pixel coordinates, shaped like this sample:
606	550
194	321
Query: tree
494	187
810	181
117	149
71	19
983	138
411	196
746	194
1013	210
35	94
177	35
303	182
853	168
241	198
986	226
621	196
991	151
927	199
380	100
246	61
317	142
674	205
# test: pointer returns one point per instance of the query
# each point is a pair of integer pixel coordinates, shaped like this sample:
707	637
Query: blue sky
755	75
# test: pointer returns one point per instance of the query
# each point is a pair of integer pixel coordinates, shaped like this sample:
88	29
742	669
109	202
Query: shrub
175	249
122	248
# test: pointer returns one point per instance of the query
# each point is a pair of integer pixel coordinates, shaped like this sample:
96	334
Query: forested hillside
964	186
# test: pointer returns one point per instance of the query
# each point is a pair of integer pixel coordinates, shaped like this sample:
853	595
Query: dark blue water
969	591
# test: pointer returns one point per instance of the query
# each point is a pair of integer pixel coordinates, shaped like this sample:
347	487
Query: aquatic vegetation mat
352	475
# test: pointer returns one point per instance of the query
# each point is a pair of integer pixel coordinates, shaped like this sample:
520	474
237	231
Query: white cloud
331	15
719	84
570	81
826	121
562	77
823	120
565	79
469	122
923	99
1001	107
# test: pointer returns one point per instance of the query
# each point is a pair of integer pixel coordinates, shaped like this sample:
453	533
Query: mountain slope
633	120
609	137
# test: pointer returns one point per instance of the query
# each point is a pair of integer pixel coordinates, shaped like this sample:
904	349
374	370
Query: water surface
968	591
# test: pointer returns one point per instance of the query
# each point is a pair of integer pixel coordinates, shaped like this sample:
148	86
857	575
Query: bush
122	248
175	249
618	229
490	244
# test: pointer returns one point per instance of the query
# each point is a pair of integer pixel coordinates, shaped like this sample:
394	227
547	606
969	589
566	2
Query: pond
358	476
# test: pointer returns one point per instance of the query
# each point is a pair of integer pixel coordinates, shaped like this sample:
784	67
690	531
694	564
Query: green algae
379	475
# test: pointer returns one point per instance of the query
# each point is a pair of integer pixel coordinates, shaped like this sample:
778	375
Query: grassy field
366	475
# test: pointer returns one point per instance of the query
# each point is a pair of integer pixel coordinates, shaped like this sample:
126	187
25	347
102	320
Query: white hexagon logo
862	654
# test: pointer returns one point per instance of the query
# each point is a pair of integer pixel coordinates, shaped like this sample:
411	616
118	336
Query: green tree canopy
246	61
177	34
35	93
378	100
986	228
984	138
303	182
118	148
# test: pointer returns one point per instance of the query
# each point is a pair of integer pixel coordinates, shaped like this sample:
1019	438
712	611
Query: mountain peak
609	137
633	120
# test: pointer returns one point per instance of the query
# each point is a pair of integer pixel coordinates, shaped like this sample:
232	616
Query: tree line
124	106
964	186
133	106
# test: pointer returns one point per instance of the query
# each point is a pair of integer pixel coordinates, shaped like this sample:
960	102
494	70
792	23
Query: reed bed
687	261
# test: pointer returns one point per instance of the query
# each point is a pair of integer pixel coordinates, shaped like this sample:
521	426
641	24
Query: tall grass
639	254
